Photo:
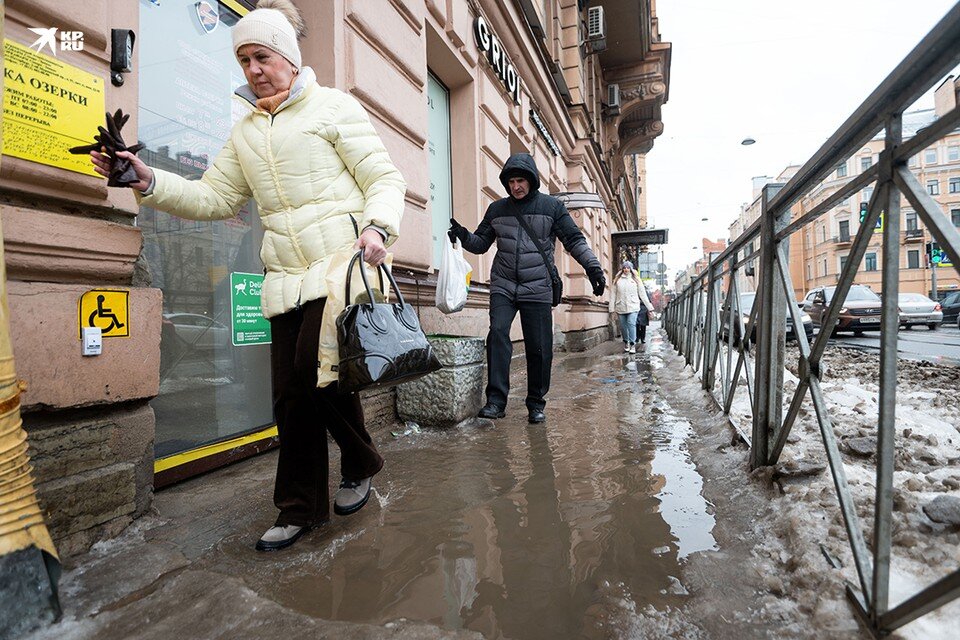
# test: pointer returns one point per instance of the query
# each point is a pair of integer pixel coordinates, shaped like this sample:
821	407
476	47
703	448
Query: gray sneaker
351	496
280	537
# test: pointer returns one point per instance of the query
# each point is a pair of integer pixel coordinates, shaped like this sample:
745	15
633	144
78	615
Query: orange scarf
270	104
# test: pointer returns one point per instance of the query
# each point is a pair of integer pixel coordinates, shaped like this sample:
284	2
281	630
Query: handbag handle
363	275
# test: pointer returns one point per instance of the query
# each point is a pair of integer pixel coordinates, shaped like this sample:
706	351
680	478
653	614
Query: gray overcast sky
785	73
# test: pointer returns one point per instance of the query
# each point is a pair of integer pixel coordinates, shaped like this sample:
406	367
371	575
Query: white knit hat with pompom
275	24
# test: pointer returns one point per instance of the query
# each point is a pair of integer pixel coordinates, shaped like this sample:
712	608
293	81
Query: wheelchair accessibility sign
107	309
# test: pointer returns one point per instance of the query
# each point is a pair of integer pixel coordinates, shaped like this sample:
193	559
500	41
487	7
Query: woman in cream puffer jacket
323	182
319	174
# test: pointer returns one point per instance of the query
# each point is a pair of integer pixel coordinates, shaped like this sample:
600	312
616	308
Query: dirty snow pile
810	532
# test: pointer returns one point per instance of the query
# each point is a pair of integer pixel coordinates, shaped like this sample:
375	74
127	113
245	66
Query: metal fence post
710	331
889	330
771	332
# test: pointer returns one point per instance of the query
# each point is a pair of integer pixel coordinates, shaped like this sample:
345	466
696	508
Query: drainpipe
28	560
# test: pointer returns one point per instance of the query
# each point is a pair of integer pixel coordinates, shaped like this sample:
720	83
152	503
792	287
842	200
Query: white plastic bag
453	281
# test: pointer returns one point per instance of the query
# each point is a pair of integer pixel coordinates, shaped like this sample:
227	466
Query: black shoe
536	416
491	411
280	537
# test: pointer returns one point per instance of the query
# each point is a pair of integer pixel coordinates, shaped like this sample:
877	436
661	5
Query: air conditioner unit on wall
596	29
613	99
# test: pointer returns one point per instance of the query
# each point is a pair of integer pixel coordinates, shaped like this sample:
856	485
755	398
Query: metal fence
705	324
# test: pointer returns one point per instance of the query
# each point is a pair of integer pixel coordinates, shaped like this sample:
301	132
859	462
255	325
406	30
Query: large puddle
517	531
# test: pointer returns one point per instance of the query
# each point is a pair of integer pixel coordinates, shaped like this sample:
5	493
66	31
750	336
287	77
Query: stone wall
583	340
94	470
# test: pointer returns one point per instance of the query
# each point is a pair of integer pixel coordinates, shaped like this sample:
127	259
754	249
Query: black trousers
304	415
536	322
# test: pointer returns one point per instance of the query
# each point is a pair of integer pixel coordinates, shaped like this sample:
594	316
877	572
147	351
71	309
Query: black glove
122	173
597	280
457	231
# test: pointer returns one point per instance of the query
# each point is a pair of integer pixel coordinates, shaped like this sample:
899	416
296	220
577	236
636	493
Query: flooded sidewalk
598	524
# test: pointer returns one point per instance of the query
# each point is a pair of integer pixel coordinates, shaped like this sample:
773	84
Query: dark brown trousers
304	414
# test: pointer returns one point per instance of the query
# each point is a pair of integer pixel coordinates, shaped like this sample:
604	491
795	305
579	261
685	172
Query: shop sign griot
490	44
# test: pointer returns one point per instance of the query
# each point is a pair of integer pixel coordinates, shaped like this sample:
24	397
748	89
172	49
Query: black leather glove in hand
122	173
457	231
597	280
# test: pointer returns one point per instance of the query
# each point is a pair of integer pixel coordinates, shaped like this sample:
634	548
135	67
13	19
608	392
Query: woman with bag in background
643	316
625	301
323	182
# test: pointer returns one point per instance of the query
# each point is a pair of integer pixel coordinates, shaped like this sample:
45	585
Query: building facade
452	87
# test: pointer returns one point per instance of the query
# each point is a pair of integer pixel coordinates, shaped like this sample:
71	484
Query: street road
919	343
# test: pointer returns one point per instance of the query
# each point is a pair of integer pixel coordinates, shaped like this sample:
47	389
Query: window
440	164
913	259
823	233
843	262
930	156
955	217
844	230
841	169
866	162
214	381
825	266
911	220
867	194
933	187
914	160
871	262
809	272
954	185
953	153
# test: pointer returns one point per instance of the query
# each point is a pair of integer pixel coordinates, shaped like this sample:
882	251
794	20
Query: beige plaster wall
90	428
402	40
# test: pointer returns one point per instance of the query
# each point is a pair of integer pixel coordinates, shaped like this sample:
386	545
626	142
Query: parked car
860	311
950	305
916	308
199	331
746	306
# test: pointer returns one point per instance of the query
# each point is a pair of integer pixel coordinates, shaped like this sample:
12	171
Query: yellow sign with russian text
48	107
107	309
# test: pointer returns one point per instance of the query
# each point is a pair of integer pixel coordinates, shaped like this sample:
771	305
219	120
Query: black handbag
381	344
555	282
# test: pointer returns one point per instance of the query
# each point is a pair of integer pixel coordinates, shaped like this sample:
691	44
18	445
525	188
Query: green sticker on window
247	321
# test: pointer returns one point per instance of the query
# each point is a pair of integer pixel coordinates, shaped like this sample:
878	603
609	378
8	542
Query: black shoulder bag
555	282
381	344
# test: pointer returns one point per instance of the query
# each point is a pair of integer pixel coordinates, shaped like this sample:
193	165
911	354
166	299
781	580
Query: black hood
521	163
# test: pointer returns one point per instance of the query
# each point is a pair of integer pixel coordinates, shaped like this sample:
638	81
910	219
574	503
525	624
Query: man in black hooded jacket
520	281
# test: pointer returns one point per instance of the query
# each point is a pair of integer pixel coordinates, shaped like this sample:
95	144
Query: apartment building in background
824	246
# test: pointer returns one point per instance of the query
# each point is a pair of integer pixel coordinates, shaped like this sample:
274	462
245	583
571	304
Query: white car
916	308
199	331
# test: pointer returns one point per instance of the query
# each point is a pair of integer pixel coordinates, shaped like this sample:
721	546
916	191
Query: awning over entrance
640	237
